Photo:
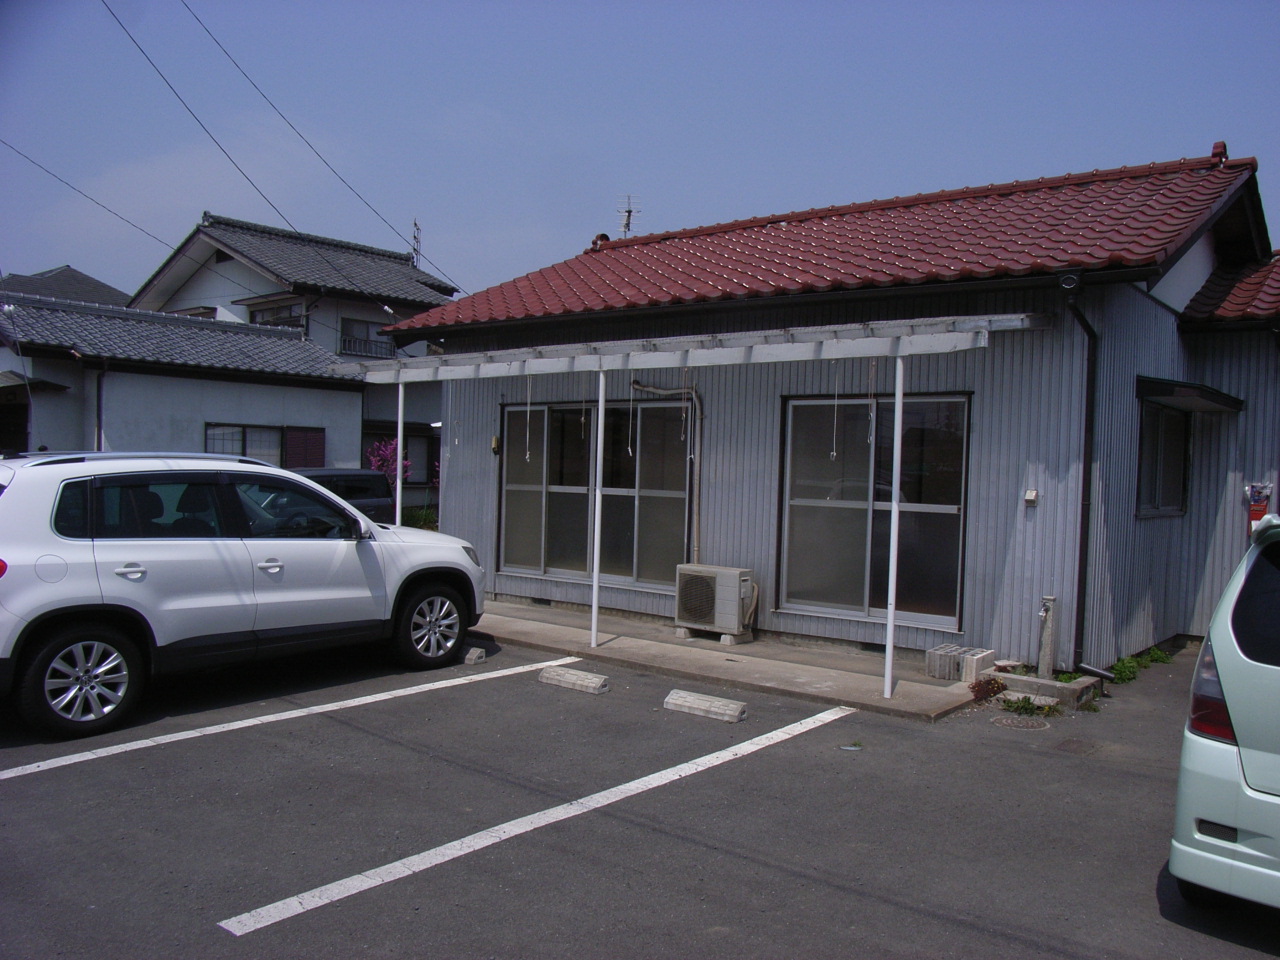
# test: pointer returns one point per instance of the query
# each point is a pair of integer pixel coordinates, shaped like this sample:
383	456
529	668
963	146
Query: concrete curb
911	700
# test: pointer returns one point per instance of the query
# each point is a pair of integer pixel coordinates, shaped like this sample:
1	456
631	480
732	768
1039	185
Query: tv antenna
627	212
417	243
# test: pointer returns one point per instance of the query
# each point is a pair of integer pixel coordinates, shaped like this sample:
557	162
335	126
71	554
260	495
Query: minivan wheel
431	627
84	680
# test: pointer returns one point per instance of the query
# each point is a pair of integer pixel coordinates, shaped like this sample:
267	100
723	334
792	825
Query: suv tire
431	627
83	680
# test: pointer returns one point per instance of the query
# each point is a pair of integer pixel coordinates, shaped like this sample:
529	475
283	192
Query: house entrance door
13	425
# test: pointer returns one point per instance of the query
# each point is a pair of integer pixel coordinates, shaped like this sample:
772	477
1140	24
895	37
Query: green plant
1067	677
984	688
1089	706
424	517
1026	707
1125	670
1157	655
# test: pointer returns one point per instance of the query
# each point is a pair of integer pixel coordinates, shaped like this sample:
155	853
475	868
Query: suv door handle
131	571
271	565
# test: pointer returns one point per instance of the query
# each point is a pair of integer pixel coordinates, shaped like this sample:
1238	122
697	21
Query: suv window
71	515
1255	619
131	508
276	509
357	486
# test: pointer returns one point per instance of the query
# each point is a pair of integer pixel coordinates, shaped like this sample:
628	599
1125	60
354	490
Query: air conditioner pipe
695	546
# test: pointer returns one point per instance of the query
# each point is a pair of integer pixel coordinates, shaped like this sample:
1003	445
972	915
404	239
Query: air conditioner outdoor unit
714	599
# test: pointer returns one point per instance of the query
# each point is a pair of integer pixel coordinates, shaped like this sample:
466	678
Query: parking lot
338	807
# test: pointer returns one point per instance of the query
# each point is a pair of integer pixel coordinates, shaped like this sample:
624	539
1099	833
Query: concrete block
475	655
937	661
575	679
732	639
717	708
974	662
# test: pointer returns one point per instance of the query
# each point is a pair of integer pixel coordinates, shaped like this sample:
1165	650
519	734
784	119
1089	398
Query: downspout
695	546
100	390
1070	283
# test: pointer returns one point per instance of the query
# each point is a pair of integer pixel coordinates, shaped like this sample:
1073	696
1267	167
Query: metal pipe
399	450
894	520
1069	283
599	498
695	546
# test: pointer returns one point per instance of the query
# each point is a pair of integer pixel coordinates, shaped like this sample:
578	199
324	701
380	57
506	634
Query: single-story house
1079	374
77	376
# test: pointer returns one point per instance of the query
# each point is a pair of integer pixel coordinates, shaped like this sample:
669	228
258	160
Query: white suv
1226	836
115	568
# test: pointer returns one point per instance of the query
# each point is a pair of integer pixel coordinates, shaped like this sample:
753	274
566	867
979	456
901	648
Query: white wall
143	412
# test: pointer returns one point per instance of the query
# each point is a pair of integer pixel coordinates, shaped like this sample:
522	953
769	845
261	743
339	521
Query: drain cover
1021	723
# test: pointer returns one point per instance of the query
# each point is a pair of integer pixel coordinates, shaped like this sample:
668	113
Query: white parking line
292	906
272	718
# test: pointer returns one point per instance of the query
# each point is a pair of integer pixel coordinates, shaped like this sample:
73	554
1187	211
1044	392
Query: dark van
368	491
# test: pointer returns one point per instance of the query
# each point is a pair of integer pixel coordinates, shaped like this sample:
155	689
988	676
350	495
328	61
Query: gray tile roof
331	266
99	332
65	283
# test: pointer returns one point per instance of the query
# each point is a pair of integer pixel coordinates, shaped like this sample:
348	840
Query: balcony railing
359	347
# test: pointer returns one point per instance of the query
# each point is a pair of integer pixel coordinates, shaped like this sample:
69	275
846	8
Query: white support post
893	527
595	548
399	449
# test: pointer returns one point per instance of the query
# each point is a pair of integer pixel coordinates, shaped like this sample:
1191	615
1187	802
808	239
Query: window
280	315
287	447
278	510
171	507
839	482
549	462
1162	460
361	338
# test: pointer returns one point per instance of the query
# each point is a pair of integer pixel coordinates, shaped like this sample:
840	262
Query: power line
280	213
167	246
118	216
310	145
187	107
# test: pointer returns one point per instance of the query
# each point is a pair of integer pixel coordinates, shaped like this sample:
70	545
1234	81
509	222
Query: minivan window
1255	619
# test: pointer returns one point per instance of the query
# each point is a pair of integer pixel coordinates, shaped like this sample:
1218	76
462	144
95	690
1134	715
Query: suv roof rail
49	458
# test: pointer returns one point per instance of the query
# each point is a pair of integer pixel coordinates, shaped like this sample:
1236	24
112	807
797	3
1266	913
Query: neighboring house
1091	379
76	376
65	283
339	295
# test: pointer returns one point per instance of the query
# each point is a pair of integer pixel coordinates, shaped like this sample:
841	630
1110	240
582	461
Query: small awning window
1187	397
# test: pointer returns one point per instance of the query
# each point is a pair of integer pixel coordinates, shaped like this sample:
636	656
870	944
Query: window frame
294	447
881	413
1155	460
542	490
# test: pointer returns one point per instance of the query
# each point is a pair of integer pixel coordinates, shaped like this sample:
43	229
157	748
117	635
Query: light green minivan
1226	837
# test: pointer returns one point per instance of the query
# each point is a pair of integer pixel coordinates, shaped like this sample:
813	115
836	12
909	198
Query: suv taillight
3	567
1209	715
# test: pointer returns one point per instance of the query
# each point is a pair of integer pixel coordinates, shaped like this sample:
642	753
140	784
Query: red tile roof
1239	294
1130	216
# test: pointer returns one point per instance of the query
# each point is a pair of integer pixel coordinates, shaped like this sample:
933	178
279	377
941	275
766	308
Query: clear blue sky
512	130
